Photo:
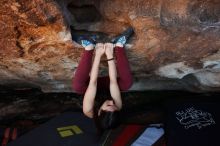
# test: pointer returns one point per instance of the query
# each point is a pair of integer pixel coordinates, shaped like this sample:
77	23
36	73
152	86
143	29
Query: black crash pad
67	129
193	124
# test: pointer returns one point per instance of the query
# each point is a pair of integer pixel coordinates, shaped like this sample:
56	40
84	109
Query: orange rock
182	36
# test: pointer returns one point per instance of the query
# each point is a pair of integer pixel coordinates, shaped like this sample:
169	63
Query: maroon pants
81	79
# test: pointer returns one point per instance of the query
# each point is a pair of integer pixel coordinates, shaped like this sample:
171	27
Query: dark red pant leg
124	73
81	79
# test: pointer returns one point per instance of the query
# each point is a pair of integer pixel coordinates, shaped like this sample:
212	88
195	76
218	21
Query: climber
104	110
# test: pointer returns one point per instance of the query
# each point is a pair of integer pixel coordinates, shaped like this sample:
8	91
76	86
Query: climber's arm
114	88
89	97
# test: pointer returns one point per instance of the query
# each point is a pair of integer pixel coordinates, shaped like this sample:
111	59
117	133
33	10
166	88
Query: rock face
176	43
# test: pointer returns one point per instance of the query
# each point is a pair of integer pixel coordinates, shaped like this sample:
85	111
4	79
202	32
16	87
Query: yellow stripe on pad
69	130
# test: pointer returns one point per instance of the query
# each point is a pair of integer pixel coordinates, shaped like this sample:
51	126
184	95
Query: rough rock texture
176	43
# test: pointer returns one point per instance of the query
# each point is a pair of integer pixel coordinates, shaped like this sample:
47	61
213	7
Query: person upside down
96	103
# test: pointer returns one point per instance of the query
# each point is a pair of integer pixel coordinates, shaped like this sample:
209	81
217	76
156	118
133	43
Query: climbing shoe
86	41
83	39
123	37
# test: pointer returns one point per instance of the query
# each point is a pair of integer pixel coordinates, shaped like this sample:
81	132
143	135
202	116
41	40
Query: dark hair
106	120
